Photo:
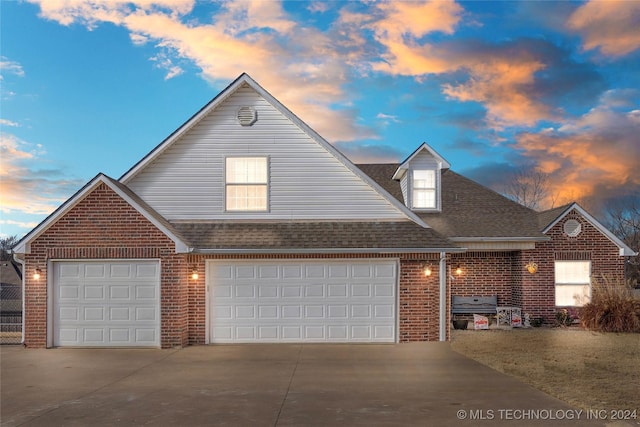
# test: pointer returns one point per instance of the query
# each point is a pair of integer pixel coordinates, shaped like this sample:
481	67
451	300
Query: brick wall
539	289
418	295
103	225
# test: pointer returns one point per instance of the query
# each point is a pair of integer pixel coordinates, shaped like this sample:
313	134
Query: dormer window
424	189
420	177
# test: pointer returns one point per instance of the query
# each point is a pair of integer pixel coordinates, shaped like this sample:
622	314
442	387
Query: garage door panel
106	303
307	301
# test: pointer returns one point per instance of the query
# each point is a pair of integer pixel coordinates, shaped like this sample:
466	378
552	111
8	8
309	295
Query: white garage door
106	304
302	301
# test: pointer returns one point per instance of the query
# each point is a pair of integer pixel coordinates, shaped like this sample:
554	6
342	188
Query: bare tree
529	187
6	244
623	219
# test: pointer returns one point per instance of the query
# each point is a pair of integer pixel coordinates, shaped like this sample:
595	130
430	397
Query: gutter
24	275
500	239
294	251
443	296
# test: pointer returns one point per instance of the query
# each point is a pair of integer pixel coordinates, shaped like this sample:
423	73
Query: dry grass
613	307
588	370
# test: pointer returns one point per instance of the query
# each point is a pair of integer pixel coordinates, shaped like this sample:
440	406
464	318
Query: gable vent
572	228
247	116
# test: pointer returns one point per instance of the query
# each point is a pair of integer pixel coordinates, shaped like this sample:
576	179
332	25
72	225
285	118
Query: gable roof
470	211
24	245
245	79
404	165
547	219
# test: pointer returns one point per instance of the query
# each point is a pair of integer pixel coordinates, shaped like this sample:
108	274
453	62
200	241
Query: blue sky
494	87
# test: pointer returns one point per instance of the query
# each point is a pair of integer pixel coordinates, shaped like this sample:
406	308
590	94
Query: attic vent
247	116
572	228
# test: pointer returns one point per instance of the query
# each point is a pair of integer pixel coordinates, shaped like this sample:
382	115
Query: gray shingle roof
547	217
312	236
469	210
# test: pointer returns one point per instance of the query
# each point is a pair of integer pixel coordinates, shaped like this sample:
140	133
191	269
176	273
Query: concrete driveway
268	385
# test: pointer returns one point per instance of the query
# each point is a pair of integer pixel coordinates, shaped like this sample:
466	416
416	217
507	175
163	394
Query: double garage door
302	301
106	304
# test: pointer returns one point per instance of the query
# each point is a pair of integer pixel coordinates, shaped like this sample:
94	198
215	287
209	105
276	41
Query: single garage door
302	301
106	304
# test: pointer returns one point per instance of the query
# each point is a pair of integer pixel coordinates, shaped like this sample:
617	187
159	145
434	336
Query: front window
246	184
573	283
424	189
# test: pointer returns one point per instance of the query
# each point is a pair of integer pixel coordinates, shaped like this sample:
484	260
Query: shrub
565	317
613	307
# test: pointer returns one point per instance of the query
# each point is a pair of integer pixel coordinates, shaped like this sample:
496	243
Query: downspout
443	296
21	261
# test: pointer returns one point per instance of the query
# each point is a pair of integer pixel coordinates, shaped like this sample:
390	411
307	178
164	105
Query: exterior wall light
532	267
36	274
194	274
427	270
458	270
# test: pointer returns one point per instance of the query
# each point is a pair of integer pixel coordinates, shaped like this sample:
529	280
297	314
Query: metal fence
10	314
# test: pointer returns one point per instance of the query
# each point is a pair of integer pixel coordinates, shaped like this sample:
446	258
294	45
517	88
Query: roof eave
292	251
500	239
625	250
404	165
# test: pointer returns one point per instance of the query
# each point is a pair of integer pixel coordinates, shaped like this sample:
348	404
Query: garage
302	301
106	303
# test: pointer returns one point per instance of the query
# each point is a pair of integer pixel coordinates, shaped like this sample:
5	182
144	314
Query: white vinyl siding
187	181
246	184
573	283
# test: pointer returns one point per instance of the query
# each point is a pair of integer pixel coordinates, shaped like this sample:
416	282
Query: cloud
25	189
388	118
301	66
610	26
592	157
22	224
11	67
501	77
5	122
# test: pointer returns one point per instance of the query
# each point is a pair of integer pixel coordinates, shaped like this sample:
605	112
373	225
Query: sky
494	87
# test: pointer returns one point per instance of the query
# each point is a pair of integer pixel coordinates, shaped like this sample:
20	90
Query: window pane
573	272
424	198
573	295
247	197
424	179
246	170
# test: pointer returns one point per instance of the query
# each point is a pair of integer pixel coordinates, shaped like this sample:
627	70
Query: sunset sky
494	87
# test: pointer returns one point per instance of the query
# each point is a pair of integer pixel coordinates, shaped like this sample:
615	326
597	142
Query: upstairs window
424	189
246	184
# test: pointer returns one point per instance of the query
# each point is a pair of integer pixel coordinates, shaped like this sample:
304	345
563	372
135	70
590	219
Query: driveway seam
286	394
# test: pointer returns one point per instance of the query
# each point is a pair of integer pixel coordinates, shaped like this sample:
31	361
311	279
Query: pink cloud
611	26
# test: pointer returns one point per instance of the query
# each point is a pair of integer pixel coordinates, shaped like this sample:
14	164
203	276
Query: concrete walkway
268	385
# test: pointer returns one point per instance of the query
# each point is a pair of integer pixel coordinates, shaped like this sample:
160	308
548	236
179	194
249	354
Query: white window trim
266	184
435	188
584	284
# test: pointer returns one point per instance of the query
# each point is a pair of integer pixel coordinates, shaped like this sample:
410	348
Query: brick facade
104	226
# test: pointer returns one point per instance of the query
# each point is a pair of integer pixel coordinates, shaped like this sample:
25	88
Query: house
245	225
